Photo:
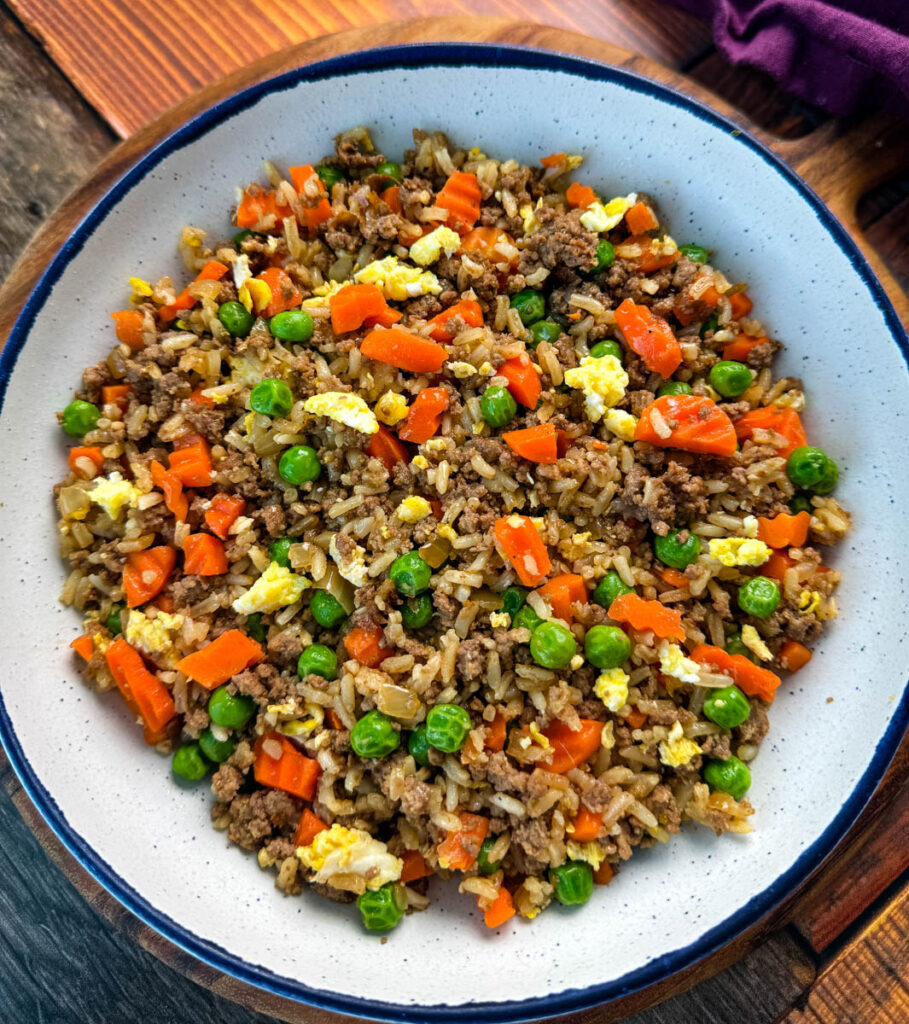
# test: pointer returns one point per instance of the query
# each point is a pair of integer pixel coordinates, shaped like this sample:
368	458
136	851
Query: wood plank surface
134	60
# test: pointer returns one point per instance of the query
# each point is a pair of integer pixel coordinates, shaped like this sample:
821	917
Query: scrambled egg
612	688
603	382
413	509
350	851
398	281
321	295
809	602
677	749
353	566
241	271
739	551
140	287
529	216
750	526
576	662
445	531
462	370
113	494
420	461
752	640
500	620
590	853
621	423
344	407
391	408
599	217
254	293
538	737
430	247
674	663
154	636
274	589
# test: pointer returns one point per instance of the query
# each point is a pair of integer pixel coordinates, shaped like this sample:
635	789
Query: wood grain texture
133	61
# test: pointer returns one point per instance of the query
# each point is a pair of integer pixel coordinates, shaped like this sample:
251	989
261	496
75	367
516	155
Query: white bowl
834	726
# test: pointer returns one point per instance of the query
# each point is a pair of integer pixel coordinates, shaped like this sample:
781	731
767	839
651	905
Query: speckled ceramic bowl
834	727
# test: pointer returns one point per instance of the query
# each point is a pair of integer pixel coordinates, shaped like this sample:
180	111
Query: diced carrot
695	424
640	219
496	733
553	160
405	350
459	850
563	593
292	772
467	309
385	446
172	488
319	211
308	827
91	453
688	310
256	205
603	874
648	616
783	530
461	197
222	512
415	867
392	199
523	380
493	243
777	566
587	825
165	603
284	293
794	655
190	462
523	546
301	175
116	394
501	910
650	337
636	718
571	748
144	693
222	659
563	443
748	677
740	349
366	645
654	255
155	736
580	195
741	305
424	416
538	443
146	572
334	719
212	271
357	304
436	507
84	647
203	555
129	325
197	398
780	419
675	578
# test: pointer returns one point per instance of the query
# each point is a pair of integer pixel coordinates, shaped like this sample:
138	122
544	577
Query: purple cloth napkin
841	56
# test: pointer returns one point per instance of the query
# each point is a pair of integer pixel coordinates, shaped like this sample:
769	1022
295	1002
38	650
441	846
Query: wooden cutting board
840	165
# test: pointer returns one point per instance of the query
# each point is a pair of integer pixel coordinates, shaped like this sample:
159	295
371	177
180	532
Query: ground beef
207	422
188	591
662	803
756	725
717	746
530	845
273	519
255	682
350	156
562	241
285	647
503	776
793	625
226	782
331	893
415	798
257	816
472	657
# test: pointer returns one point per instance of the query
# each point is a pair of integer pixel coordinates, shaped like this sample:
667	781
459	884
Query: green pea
240	237
374	735
800	503
552	645
214	749
735	645
759	597
418	745
513	599
727	707
605	256
80	417
609	588
410	574
530	304
318	660
710	324
525	618
544	330
232	710
730	378
573	883
497	406
607	646
299	465
484	865
256	628
381	908
391	170
607	348
235	318
271	397
811	468
114	620
326	609
674	387
188	763
330	176
417	611
279	550
731	776
447	727
696	253
292	325
674	552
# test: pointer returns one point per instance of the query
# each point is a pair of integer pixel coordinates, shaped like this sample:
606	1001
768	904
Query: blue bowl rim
413	56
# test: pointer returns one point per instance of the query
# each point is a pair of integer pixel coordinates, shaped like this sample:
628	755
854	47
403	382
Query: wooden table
842	954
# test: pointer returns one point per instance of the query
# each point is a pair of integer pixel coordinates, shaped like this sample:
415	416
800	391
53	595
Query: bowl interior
113	800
